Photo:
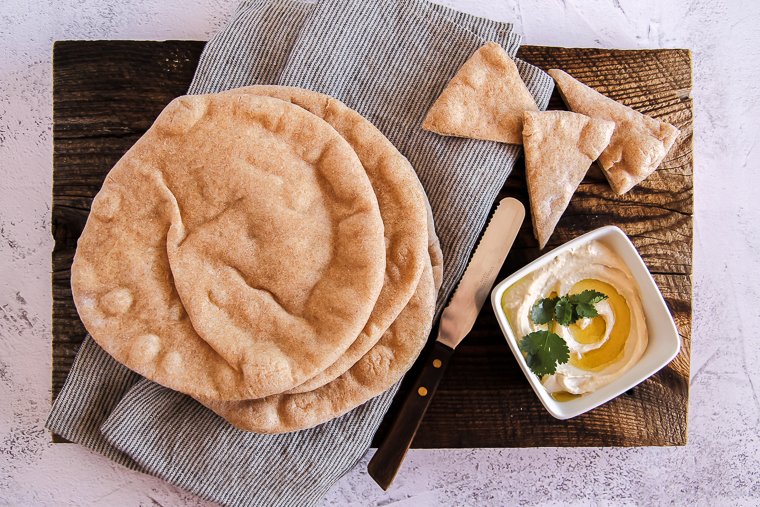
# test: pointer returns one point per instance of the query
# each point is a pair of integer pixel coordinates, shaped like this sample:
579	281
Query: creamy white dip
591	365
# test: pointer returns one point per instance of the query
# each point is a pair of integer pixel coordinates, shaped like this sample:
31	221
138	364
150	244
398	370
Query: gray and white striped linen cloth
389	60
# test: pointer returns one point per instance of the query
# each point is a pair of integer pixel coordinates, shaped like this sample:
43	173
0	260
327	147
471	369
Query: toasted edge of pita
485	99
639	143
559	148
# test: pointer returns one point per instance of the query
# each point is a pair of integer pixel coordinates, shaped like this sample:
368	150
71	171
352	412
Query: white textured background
721	464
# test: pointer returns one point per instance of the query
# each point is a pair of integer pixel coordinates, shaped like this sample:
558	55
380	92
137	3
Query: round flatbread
234	252
375	372
383	364
402	205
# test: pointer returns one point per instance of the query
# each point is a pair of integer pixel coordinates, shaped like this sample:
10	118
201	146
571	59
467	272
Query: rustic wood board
106	94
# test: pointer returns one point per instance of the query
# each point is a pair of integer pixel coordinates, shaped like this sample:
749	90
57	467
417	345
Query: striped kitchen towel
389	60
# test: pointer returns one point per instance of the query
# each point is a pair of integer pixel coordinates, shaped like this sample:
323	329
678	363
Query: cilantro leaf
543	350
584	302
586	310
543	311
564	312
587	297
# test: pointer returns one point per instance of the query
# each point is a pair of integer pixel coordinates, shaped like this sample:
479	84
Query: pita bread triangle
639	143
559	148
484	100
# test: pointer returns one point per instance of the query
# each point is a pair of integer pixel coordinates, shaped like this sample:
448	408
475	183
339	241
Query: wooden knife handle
385	463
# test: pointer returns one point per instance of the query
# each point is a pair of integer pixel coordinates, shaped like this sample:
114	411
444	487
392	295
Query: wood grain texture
106	94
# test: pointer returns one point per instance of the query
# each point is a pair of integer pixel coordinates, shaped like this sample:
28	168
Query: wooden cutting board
106	94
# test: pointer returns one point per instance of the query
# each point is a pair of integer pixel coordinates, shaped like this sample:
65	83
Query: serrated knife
457	320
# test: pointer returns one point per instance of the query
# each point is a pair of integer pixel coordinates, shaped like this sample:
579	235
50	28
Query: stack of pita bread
488	100
260	250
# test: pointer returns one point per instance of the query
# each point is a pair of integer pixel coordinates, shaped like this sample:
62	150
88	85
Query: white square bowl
664	340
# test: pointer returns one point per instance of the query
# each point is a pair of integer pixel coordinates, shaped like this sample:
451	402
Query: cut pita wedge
639	143
559	148
484	100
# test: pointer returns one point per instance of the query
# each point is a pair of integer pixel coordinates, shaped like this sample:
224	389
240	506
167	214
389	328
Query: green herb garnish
566	309
544	350
543	311
564	312
584	303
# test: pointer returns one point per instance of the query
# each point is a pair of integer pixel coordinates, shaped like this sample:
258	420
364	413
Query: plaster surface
721	463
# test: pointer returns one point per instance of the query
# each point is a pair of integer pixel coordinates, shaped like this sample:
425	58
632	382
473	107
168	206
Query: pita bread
235	251
559	148
402	208
484	100
375	372
639	143
384	364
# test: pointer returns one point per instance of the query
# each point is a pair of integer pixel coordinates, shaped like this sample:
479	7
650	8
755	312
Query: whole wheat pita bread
380	367
375	372
559	148
402	208
639	143
484	100
235	251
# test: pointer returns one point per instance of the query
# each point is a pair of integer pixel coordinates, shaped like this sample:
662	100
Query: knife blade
456	322
475	286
